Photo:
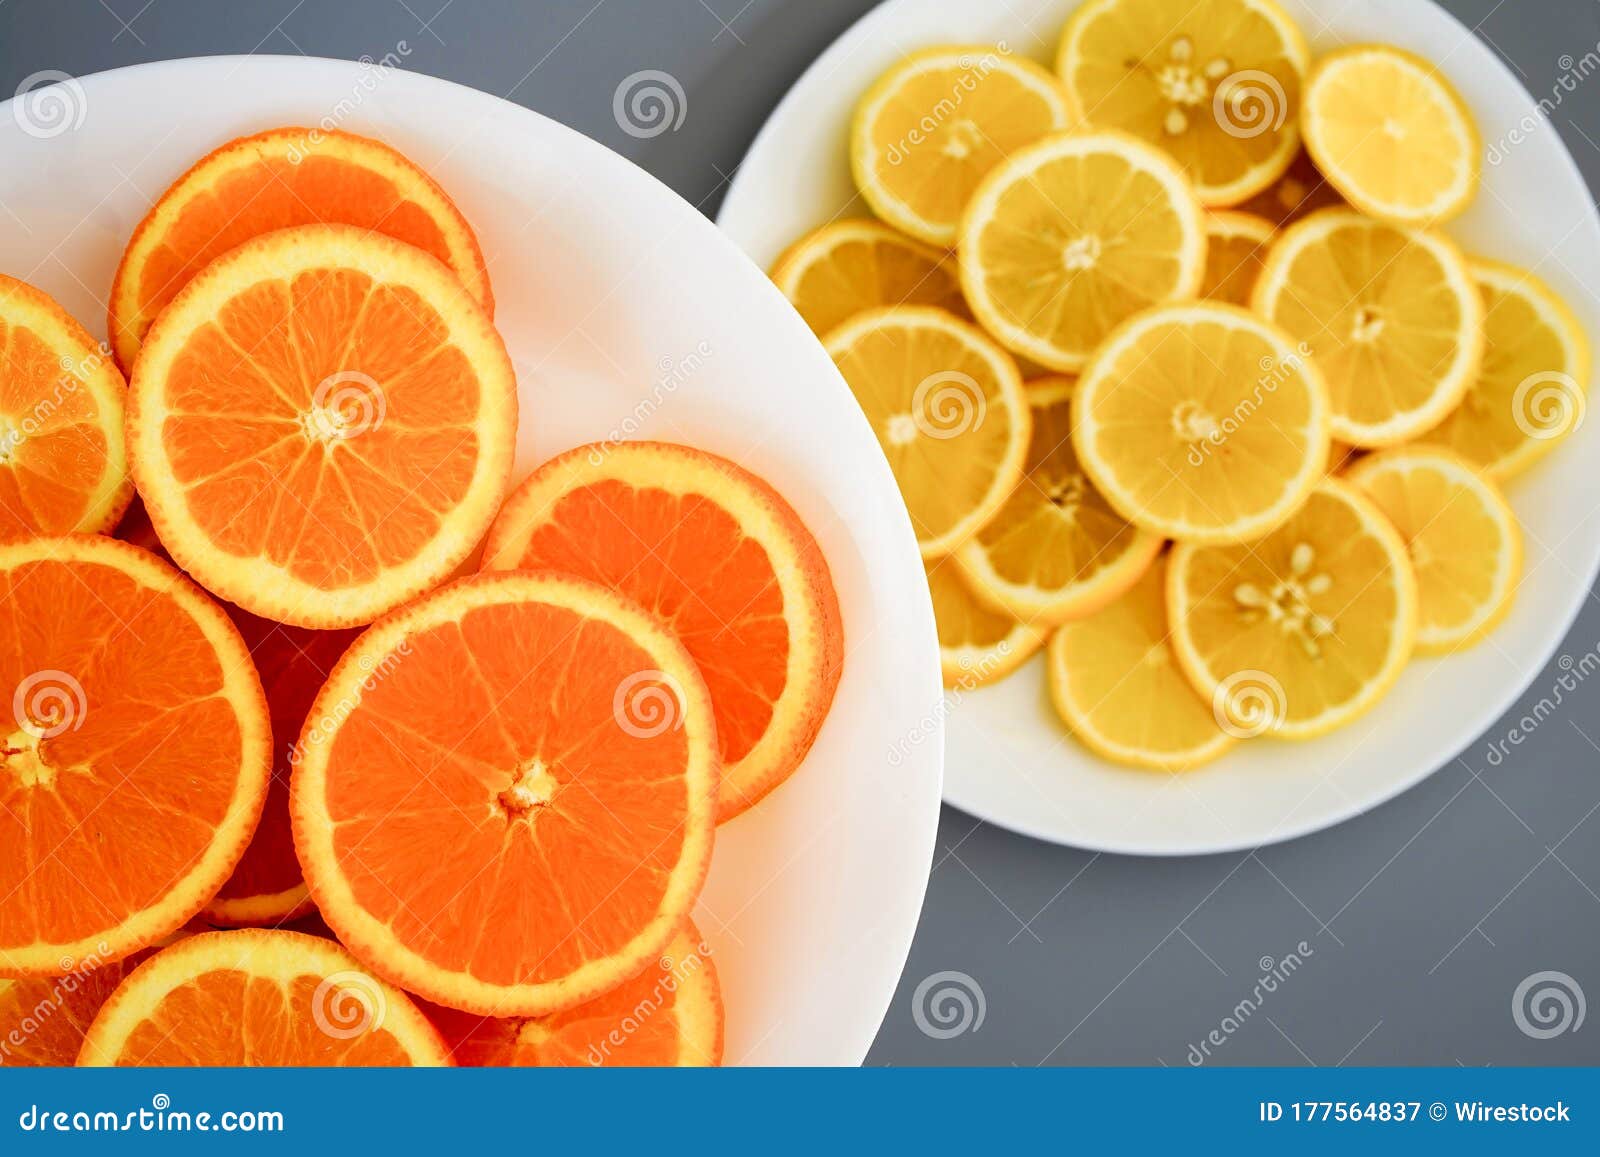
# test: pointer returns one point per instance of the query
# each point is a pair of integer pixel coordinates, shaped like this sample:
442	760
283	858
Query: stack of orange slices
244	730
1221	411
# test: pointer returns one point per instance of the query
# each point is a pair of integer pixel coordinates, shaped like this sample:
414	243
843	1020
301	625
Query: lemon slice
934	124
1202	422
977	645
1531	391
1390	315
1056	550
1300	631
948	408
834	273
1072	236
1236	244
1116	684
1391	134
1464	541
1215	83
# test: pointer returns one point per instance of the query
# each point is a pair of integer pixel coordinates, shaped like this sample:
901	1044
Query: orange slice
1236	244
559	743
1390	315
275	180
137	754
43	1019
977	645
670	1015
850	266
321	425
1532	390
1056	550
1463	538
258	998
63	464
266	887
722	559
1118	687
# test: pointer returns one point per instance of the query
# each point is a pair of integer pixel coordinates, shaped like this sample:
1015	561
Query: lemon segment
835	272
977	645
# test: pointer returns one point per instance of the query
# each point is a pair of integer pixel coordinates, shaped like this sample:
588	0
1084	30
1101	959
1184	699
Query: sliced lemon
1056	550
1391	315
1392	134
934	124
1300	191
1073	235
1300	631
1531	391
1202	422
1116	684
948	408
1236	244
977	645
1463	539
1215	83
835	272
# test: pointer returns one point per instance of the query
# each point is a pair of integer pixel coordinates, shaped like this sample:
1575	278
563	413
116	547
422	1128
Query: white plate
1009	761
606	286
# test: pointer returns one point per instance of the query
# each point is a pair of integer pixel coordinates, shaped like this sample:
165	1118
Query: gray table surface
1402	937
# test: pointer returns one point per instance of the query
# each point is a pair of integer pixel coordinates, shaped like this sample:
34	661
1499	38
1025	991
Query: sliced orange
934	124
1202	422
1392	134
1216	83
1301	631
275	180
1236	244
1116	684
1390	315
977	645
137	756
266	887
259	998
1071	236
1056	550
1300	191
43	1019
1465	545
321	425
1532	390
849	266
720	557
63	464
506	793
670	1015
948	408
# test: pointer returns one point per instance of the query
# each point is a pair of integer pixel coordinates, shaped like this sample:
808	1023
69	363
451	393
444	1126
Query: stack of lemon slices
1179	376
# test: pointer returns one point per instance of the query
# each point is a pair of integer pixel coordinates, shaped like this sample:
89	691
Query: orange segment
63	464
276	180
137	758
670	1015
722	559
321	425
506	792
258	998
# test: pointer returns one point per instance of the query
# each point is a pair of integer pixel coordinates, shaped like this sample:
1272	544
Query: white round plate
1009	760
627	314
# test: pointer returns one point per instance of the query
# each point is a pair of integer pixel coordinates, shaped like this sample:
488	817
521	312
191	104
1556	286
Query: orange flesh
42	1021
685	559
562	827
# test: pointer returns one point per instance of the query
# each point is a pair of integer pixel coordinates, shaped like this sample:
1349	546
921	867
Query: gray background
1419	920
